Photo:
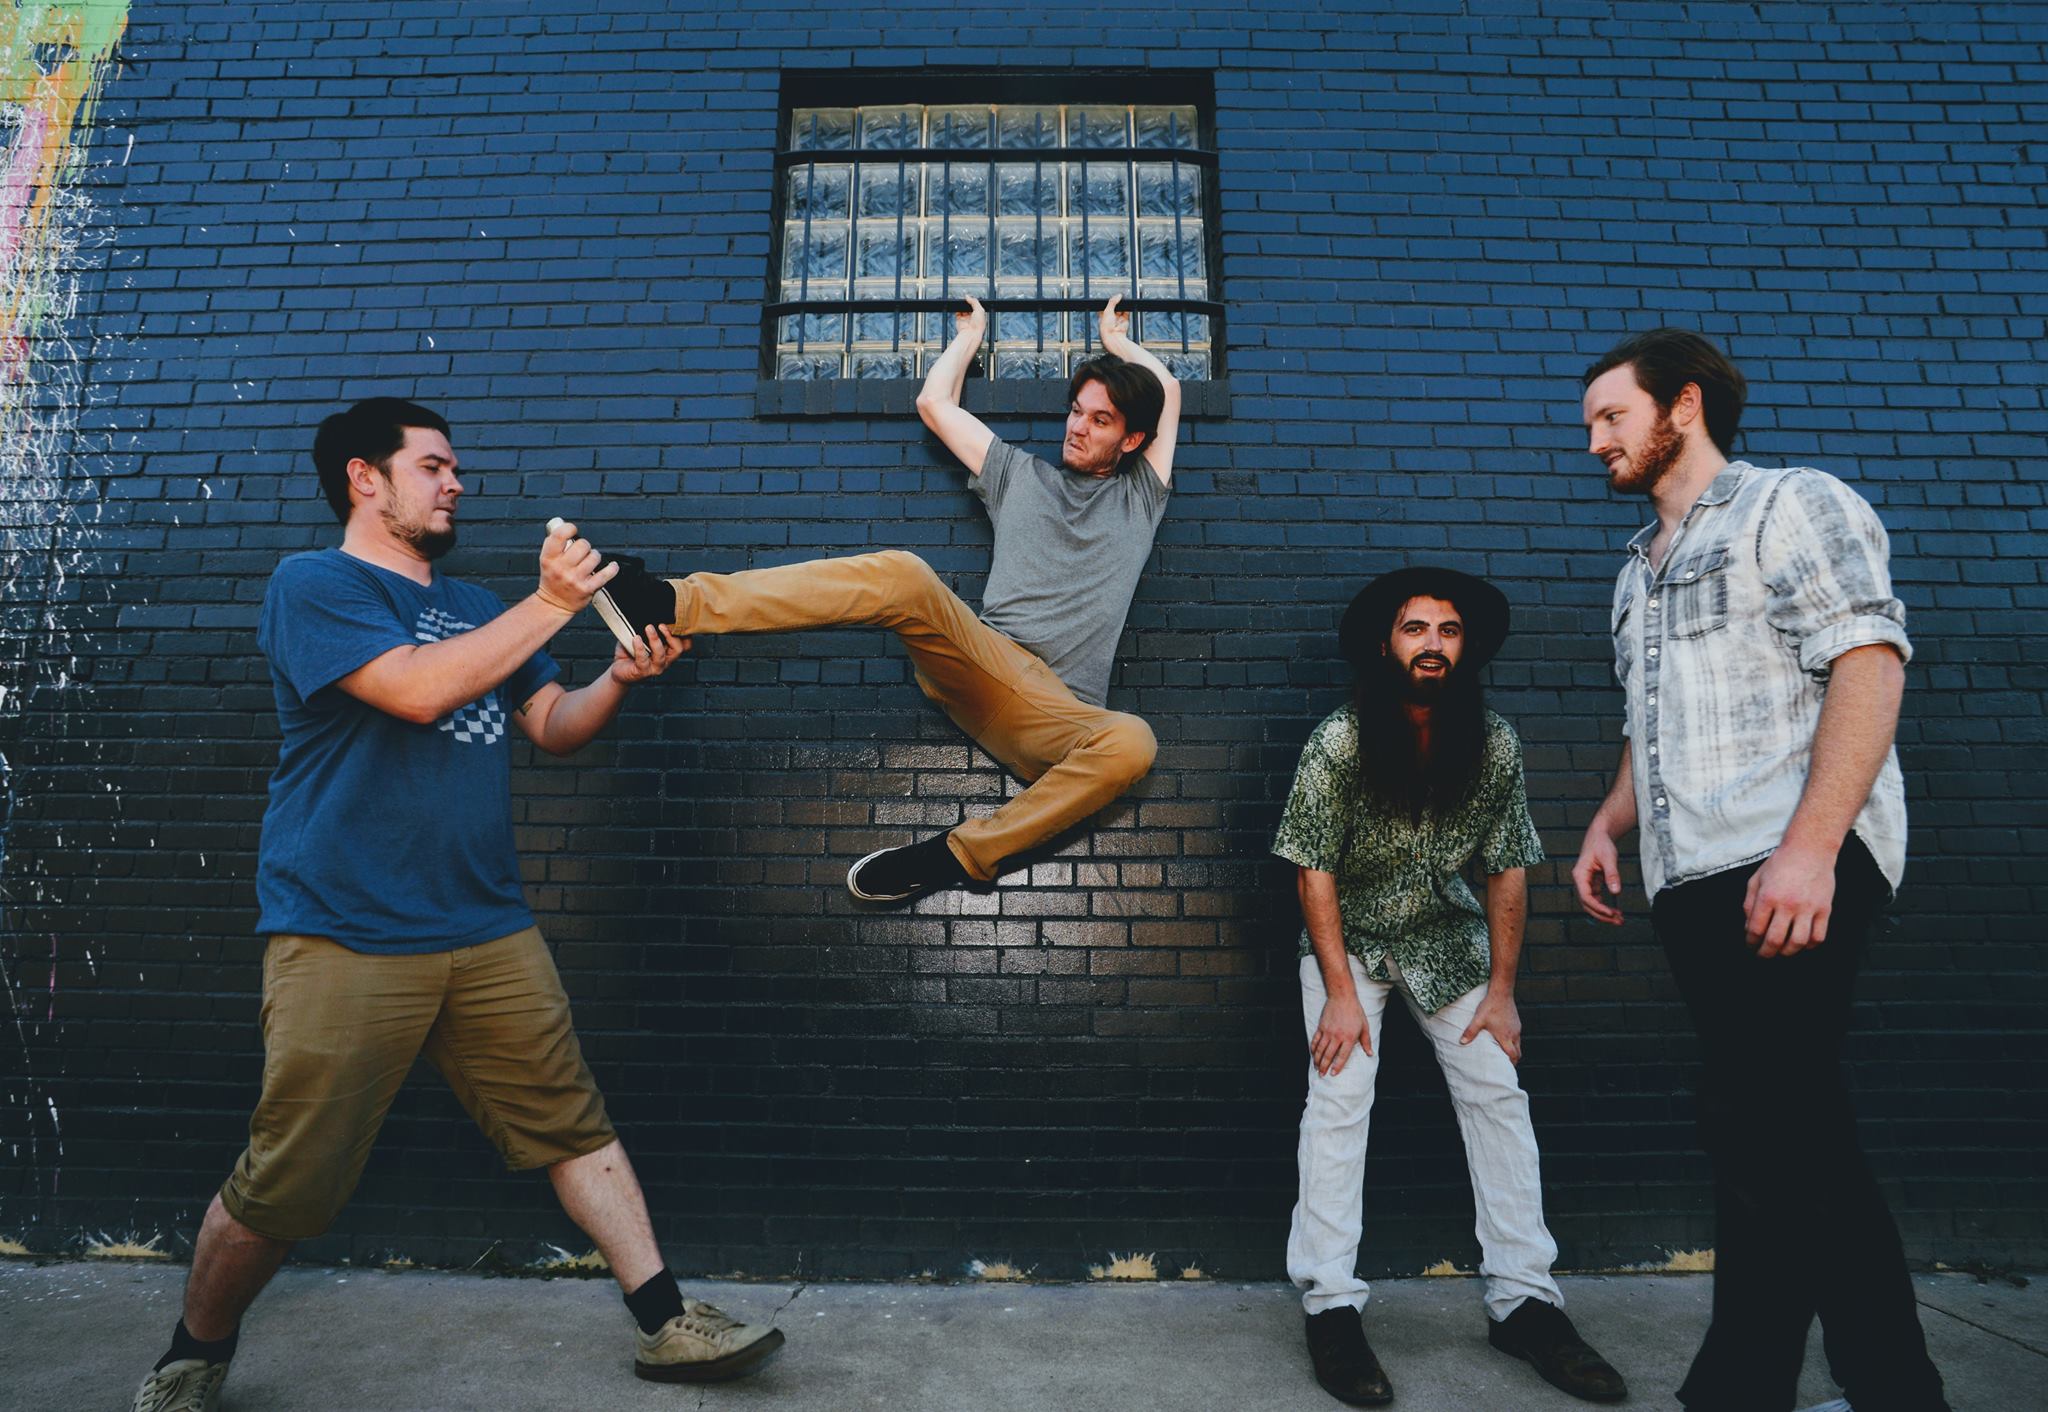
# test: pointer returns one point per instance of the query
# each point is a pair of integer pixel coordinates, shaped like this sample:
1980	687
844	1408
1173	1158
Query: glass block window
890	214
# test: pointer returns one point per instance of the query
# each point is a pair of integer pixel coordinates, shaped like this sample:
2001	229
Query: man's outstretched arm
938	405
562	722
1117	342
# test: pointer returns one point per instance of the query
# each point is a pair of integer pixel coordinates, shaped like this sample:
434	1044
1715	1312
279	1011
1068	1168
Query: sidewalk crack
1981	1328
802	1285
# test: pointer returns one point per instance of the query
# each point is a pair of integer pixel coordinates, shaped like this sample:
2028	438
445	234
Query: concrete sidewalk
78	1336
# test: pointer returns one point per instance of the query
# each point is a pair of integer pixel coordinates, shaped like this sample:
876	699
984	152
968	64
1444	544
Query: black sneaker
634	601
1542	1334
899	874
1345	1363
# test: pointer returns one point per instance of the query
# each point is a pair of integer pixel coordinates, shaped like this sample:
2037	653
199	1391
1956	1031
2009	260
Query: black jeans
1800	1226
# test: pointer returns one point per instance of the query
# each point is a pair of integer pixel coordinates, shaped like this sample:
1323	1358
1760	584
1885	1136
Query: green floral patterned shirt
1400	888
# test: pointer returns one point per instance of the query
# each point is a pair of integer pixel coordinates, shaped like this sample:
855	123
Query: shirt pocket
1696	594
1622	628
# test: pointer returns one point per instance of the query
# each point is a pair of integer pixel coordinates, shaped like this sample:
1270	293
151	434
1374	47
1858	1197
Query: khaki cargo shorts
341	1030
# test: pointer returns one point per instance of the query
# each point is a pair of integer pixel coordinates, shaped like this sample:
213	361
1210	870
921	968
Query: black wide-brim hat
1369	621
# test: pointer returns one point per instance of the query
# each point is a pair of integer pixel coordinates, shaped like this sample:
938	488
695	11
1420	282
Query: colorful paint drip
54	61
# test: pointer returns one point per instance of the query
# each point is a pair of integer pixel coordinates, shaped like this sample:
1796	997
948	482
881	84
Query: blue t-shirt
384	835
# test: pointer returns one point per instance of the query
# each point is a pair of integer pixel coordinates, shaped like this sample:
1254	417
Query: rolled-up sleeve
1826	567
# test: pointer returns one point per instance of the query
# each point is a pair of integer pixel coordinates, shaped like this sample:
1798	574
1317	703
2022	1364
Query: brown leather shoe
1345	1364
1541	1334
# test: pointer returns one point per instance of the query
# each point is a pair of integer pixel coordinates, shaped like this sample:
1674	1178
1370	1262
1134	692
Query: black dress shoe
1541	1334
1345	1364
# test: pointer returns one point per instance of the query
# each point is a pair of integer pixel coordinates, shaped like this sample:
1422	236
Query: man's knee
1129	746
282	1209
221	1225
907	581
1342	1099
1479	1072
1494	1097
906	568
1759	1140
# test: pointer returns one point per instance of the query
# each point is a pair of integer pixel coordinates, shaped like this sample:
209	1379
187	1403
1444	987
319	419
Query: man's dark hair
1133	390
1391	770
1665	360
372	431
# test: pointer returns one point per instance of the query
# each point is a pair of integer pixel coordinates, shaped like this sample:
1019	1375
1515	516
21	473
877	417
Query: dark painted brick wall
1435	214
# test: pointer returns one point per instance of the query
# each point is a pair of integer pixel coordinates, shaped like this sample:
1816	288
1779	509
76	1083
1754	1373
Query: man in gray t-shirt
1068	552
1028	678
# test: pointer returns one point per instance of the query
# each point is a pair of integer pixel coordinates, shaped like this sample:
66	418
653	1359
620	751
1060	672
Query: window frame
803	89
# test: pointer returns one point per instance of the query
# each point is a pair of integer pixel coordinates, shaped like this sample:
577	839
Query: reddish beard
1662	446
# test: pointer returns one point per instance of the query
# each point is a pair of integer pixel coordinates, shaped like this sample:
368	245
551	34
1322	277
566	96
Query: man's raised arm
938	405
1117	342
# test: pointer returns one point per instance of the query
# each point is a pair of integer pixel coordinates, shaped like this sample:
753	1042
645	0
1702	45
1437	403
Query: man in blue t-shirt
389	889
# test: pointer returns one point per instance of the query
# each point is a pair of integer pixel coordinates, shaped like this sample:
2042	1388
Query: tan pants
340	1032
1076	757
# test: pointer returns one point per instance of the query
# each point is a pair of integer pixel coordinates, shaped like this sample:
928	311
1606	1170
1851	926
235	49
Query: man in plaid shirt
1762	655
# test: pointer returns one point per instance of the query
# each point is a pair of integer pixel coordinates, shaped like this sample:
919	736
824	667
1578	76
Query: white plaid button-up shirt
1724	653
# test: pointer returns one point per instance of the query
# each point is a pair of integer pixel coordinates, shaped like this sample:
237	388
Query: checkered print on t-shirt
481	722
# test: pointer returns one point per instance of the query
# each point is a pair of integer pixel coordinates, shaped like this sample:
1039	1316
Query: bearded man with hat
1396	793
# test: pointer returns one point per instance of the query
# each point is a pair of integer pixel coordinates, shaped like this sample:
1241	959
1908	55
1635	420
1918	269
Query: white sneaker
188	1385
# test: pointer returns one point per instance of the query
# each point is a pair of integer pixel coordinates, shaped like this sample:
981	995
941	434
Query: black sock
927	863
656	1302
939	860
184	1346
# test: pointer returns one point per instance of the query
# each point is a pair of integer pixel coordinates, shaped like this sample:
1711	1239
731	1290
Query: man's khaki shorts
340	1032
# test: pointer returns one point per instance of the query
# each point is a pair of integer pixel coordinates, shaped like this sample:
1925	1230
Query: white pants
1500	1155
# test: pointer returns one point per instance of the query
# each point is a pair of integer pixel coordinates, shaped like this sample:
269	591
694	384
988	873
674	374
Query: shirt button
1660	801
1692	573
1653	750
1653	651
1653	700
1653	602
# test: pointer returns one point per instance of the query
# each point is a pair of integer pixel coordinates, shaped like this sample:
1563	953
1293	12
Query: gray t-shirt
1069	550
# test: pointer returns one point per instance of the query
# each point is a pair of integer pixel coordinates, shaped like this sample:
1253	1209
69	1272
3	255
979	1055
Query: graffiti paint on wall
55	59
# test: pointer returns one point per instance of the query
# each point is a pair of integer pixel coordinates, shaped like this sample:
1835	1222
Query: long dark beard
1391	770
